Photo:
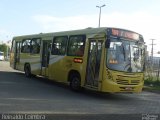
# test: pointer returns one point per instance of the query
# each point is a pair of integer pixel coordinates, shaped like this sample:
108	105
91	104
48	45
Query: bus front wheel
75	82
27	70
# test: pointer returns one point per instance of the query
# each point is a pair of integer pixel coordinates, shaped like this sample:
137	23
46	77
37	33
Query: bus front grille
135	82
127	82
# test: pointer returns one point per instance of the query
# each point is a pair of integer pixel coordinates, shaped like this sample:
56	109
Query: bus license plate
128	88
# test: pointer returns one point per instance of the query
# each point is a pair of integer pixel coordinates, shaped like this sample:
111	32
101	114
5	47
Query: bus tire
75	82
27	70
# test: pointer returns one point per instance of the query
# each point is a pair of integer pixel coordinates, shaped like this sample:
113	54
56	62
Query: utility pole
7	49
152	52
152	66
158	71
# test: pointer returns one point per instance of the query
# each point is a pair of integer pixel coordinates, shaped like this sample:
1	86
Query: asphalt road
36	95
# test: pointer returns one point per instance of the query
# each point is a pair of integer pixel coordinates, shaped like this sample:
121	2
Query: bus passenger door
93	63
45	58
17	55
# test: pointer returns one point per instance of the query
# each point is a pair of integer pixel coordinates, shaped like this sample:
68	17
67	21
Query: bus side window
59	45
80	51
26	44
55	50
35	45
76	45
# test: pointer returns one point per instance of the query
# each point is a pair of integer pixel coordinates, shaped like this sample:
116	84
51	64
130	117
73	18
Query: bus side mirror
107	43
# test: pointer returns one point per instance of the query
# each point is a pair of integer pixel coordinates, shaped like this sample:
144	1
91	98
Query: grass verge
153	86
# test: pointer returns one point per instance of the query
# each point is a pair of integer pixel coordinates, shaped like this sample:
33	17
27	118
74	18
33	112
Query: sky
23	17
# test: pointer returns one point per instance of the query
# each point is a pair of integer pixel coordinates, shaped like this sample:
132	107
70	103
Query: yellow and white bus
100	59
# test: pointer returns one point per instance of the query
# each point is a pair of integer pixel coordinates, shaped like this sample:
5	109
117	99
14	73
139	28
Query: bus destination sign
125	34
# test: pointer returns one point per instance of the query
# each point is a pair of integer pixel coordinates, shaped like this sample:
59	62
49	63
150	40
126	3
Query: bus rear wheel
75	82
27	70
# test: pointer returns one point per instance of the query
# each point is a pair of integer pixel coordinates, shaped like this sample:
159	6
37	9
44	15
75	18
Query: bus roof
81	31
72	32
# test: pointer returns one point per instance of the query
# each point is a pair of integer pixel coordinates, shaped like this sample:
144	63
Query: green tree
3	48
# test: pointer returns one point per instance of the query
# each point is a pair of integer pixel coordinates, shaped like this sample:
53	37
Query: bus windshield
125	55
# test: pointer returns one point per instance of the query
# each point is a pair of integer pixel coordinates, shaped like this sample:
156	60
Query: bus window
26	46
59	45
76	45
80	51
35	45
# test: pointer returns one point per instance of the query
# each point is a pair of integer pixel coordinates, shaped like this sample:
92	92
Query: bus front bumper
112	87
